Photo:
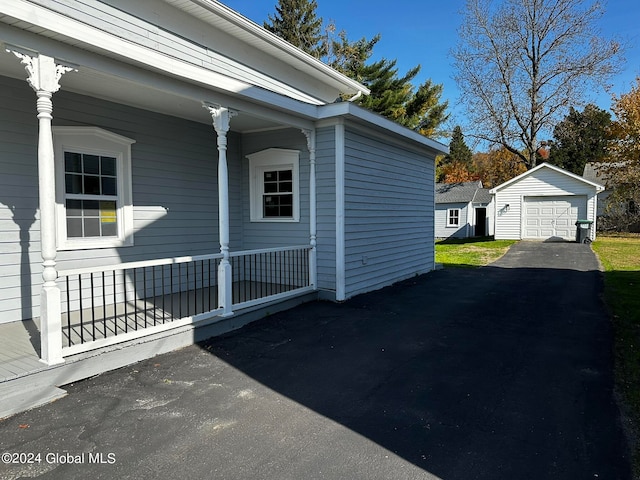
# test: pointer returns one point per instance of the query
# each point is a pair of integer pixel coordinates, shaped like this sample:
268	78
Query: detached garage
544	204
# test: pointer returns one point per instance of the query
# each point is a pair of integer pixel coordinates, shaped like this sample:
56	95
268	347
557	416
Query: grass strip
620	258
470	252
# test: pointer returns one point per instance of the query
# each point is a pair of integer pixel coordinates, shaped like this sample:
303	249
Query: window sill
275	220
91	244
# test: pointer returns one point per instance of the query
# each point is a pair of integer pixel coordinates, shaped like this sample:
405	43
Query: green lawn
470	252
620	257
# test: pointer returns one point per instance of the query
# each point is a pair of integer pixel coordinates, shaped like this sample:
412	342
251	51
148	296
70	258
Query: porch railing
268	273
107	305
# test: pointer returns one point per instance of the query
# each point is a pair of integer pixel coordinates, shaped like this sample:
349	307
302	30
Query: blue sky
423	32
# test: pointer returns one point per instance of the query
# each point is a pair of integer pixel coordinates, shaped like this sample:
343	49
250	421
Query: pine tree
458	150
392	96
296	22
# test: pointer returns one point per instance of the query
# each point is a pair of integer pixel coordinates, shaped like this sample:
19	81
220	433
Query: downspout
356	96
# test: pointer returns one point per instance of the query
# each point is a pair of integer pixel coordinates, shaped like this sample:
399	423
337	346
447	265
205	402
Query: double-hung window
93	188
453	217
274	185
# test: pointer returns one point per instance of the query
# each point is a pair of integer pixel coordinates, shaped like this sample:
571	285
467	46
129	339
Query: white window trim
94	140
272	158
449	224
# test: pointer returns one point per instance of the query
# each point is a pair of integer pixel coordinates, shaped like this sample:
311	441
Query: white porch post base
50	326
225	288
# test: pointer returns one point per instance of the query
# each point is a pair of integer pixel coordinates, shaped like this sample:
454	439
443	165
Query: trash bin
583	231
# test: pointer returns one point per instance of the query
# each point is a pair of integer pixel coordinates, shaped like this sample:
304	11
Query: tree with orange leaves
622	168
497	166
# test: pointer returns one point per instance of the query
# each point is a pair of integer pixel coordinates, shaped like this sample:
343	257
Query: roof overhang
236	56
235	24
359	115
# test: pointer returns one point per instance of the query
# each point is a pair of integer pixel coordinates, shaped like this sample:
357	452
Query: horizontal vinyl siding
275	234
326	207
441	217
205	53
389	217
20	261
544	182
174	177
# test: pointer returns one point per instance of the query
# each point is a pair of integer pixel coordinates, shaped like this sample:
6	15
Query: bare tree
520	64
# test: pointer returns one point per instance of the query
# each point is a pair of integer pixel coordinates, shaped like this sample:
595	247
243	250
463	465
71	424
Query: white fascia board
116	47
349	110
270	42
290	111
597	186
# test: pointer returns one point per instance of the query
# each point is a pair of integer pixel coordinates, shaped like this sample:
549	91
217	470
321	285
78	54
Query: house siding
326	209
174	179
214	51
388	212
544	182
275	234
442	230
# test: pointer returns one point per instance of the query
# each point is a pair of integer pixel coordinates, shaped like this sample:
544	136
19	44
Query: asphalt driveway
502	372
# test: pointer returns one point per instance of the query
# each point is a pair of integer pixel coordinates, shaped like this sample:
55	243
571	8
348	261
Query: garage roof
597	186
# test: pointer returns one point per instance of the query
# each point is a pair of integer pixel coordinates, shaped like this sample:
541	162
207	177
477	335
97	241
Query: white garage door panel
553	217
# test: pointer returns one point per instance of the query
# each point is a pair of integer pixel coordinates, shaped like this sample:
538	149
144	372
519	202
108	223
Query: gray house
169	164
463	210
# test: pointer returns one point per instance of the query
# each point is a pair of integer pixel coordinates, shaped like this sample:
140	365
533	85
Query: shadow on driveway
502	372
489	373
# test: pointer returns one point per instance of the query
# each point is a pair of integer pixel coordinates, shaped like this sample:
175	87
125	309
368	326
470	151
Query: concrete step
16	398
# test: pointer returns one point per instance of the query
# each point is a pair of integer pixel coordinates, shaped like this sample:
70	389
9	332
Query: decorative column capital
311	140
221	117
44	72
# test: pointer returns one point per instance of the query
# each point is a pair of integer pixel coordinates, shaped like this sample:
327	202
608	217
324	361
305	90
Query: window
453	217
93	188
274	190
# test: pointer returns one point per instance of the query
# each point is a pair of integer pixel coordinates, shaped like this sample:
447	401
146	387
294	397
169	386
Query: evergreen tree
392	96
296	22
458	150
580	138
457	165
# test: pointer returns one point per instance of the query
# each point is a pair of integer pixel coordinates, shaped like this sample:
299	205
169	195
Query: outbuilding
463	210
544	203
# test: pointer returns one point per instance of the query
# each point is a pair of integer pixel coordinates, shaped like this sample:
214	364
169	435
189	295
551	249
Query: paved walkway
502	372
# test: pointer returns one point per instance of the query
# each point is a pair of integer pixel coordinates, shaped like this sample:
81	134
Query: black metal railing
111	301
259	274
106	302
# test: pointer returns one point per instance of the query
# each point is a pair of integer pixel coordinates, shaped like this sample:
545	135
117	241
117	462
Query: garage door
553	217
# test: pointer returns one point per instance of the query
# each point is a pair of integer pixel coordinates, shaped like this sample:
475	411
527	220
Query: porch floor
20	341
19	349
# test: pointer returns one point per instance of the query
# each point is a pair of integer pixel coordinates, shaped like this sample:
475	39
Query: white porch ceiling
87	81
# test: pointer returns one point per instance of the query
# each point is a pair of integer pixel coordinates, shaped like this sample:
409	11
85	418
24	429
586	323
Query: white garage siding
518	200
553	217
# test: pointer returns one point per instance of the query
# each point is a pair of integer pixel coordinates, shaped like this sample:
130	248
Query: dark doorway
481	222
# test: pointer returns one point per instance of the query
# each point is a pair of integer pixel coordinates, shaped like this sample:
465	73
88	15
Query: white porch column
221	119
313	255
44	76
